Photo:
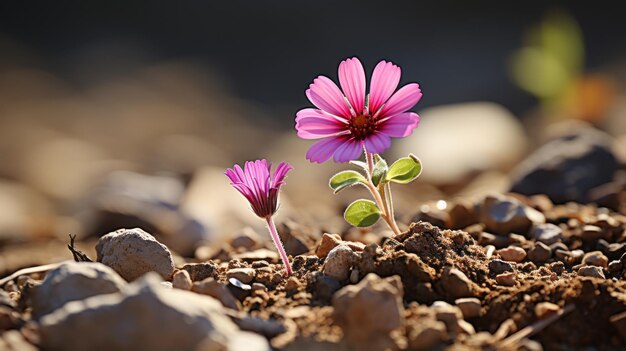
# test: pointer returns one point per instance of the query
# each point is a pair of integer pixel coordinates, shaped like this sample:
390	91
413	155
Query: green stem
380	195
390	206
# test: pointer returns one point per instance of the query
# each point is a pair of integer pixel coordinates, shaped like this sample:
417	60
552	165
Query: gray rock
568	168
547	233
133	252
73	281
504	215
144	316
339	261
539	253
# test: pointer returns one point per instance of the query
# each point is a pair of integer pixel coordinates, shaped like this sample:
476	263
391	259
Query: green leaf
345	179
362	213
380	170
404	170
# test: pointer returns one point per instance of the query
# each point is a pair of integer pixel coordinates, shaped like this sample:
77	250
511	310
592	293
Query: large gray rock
133	252
567	168
504	215
73	281
145	316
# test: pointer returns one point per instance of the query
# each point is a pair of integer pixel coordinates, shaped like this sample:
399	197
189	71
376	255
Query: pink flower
261	188
348	121
256	184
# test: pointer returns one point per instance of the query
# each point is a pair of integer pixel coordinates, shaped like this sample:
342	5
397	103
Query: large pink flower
348	121
256	184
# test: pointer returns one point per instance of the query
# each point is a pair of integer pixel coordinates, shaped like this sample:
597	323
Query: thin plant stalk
276	239
381	195
391	214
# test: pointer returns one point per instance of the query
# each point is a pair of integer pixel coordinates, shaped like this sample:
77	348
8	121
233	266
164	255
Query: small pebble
591	233
456	283
557	267
513	254
258	287
446	313
215	289
506	279
133	252
470	306
591	271
328	242
292	285
595	258
539	253
544	309
547	233
500	266
338	262
245	275
576	255
248	239
182	280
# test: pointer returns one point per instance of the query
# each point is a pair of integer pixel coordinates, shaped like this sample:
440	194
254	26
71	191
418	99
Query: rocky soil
505	272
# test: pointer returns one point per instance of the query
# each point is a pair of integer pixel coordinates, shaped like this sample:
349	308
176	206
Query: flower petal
385	80
326	96
323	149
402	100
350	150
280	173
377	143
352	81
401	125
314	124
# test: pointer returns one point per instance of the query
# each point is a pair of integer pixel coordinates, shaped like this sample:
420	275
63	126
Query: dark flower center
362	126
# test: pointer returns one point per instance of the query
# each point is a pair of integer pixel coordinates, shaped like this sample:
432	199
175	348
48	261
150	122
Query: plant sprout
351	122
256	183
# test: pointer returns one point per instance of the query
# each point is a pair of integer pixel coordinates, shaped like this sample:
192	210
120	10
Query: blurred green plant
552	58
550	66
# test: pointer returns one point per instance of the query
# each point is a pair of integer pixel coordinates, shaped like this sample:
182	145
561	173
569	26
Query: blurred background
117	114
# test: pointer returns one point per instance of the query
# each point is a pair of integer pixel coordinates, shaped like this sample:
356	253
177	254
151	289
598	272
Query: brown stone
513	254
506	279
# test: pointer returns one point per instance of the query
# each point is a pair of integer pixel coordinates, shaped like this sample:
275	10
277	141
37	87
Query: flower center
361	126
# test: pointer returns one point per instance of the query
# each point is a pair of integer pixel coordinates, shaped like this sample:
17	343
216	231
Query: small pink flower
348	121
256	184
